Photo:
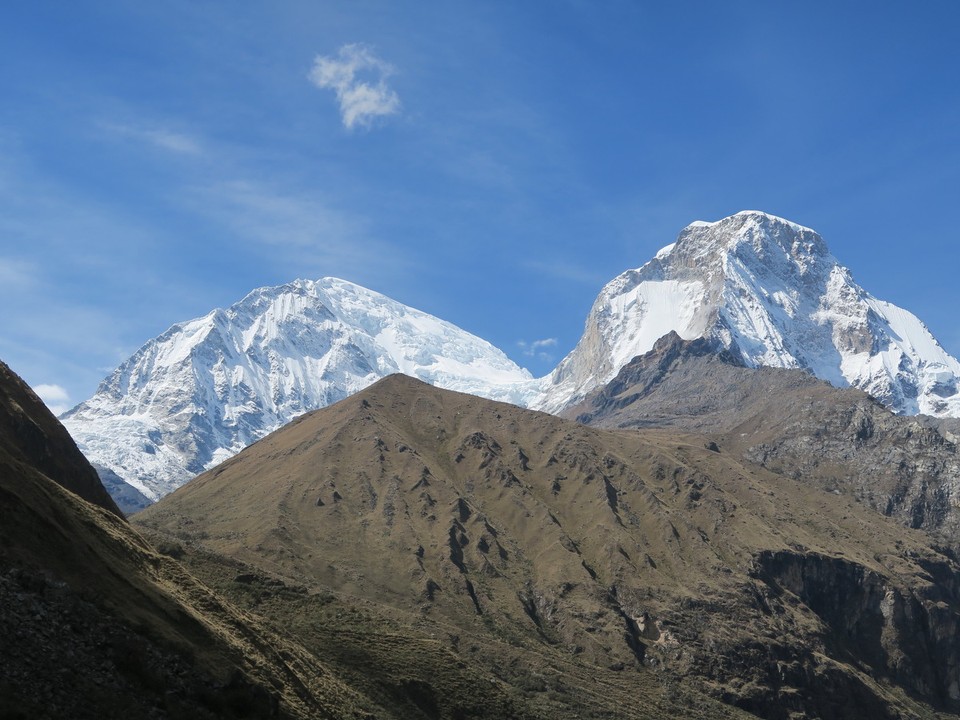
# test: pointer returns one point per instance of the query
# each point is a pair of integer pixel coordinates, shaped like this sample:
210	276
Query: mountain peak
767	238
769	291
209	387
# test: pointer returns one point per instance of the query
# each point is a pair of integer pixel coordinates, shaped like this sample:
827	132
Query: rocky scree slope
770	293
646	554
209	387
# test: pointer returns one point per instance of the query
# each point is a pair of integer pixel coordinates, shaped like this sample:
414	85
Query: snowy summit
207	388
768	290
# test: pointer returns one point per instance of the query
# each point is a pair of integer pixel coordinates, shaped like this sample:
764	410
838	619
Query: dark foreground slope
837	440
95	624
612	570
31	435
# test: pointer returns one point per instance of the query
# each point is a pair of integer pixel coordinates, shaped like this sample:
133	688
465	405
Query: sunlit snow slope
770	291
207	388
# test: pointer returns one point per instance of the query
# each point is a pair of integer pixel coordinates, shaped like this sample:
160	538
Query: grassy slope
595	549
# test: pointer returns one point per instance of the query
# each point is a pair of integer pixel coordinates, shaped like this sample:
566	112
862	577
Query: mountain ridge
759	287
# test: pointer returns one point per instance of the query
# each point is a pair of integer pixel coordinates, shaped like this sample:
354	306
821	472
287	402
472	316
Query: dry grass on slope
644	551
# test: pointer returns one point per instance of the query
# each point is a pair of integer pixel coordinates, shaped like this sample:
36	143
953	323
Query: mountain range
762	289
701	528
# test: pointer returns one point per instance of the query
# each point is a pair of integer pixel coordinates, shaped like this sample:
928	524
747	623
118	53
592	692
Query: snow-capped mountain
764	288
207	388
770	291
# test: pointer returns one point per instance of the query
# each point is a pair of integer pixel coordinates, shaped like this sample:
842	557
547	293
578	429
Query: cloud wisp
535	348
56	398
169	140
359	79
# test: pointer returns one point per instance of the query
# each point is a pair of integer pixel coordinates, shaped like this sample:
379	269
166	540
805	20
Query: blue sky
491	163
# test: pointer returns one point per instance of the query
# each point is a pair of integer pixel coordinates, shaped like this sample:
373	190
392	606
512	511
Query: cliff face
906	634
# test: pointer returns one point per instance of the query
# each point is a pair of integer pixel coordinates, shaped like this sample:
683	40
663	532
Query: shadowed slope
31	434
648	552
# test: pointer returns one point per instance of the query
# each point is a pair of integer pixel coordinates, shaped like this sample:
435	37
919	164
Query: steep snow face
770	291
207	388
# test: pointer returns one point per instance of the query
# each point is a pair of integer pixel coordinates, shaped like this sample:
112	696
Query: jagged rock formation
770	293
641	552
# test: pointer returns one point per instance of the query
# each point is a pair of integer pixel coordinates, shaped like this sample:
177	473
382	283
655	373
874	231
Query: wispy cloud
535	348
300	234
55	397
567	271
17	274
279	218
359	79
162	138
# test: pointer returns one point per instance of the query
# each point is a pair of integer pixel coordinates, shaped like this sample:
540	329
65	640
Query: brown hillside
642	555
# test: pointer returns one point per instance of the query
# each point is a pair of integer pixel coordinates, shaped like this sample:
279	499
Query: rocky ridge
838	440
30	434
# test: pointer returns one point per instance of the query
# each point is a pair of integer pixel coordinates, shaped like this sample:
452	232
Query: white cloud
535	348
359	78
55	397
